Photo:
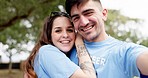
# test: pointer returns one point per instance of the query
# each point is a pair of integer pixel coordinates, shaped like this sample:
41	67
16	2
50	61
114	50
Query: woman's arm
85	61
142	63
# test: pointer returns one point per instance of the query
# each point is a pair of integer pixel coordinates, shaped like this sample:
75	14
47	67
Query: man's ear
104	12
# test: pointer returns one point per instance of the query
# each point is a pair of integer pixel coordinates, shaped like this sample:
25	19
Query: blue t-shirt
50	62
113	58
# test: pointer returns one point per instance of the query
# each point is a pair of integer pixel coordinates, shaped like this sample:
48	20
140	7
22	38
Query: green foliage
116	21
13	12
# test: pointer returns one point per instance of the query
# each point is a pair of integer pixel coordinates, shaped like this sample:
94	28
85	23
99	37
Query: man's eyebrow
82	12
74	15
87	10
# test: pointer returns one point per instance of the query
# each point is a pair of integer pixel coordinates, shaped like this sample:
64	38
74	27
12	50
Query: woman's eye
70	30
57	31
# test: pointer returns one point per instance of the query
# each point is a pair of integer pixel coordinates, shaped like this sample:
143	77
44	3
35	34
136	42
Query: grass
16	73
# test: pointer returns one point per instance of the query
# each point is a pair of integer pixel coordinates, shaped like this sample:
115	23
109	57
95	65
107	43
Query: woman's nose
65	34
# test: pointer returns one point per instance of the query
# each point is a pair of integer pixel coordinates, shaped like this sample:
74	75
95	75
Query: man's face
88	19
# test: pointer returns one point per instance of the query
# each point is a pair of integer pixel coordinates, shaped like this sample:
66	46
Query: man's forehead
74	10
82	7
79	7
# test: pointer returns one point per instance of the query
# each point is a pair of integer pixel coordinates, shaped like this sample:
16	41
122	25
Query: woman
49	57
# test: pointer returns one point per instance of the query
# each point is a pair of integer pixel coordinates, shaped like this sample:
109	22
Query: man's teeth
88	28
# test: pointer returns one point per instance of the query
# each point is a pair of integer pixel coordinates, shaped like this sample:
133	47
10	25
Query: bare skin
85	61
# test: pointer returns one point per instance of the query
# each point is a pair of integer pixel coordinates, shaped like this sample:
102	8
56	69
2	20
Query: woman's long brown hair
44	39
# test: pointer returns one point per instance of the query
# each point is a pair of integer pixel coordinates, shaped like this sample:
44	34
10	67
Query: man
112	58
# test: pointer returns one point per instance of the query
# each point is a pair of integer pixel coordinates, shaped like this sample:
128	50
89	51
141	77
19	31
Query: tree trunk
10	63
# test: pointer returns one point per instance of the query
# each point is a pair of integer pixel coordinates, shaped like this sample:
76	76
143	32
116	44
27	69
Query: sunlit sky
130	8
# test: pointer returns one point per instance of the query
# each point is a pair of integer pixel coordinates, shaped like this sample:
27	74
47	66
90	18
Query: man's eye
74	19
88	13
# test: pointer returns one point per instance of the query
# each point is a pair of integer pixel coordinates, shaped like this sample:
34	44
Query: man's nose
83	21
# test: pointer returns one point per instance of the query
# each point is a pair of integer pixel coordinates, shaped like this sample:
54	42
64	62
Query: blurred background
21	22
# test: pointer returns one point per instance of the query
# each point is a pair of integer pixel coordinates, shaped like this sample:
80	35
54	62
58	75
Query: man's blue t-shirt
50	62
113	58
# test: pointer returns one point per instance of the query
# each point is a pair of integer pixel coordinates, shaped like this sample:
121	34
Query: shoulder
48	48
123	48
126	45
129	49
132	46
49	52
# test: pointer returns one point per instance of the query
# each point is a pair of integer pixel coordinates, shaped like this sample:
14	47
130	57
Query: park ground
16	73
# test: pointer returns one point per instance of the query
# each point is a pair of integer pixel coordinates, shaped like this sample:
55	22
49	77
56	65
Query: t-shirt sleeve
131	52
55	63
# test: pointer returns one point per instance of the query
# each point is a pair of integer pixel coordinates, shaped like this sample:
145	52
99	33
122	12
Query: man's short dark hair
70	3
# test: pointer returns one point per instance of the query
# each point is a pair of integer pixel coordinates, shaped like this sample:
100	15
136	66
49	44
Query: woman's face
63	34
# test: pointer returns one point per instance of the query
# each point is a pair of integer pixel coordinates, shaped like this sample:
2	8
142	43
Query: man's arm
142	63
